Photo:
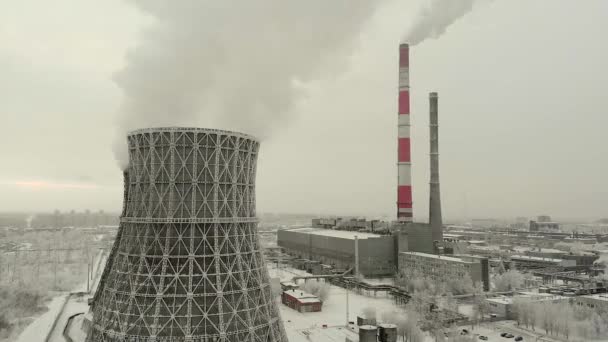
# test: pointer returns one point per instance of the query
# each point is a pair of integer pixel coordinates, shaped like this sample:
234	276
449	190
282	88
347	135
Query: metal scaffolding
187	263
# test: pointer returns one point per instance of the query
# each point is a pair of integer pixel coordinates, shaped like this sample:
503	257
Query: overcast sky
522	87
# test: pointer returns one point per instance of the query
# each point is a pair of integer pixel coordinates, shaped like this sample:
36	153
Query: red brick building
301	301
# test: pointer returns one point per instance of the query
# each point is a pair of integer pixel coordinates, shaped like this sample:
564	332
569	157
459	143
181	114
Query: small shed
301	301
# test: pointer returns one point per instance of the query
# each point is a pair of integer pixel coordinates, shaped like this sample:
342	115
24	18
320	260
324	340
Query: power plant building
337	248
187	264
444	268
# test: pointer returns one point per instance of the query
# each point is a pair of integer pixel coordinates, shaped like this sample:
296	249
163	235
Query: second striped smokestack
435	220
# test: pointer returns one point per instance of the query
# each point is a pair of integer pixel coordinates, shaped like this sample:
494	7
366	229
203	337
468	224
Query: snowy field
38	330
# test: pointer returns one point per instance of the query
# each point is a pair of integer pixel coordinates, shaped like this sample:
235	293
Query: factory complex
188	263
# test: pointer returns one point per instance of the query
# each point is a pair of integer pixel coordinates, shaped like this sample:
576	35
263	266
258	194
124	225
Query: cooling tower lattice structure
187	263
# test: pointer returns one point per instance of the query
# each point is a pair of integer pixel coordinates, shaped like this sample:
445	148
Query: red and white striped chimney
404	164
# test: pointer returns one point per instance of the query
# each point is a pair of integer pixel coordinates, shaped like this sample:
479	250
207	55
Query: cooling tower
187	263
404	164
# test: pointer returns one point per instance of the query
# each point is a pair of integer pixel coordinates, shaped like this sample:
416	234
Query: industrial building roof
289	283
452	235
601	296
435	256
542	250
303	297
530	296
462	232
533	258
344	234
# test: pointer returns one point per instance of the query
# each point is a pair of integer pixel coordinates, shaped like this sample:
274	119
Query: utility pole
88	277
347	309
55	270
356	257
14	266
92	264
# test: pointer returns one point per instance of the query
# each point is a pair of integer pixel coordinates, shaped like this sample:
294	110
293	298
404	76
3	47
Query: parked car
483	338
519	338
464	332
503	335
510	336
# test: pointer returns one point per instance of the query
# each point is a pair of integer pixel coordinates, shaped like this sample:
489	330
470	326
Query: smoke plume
233	64
434	19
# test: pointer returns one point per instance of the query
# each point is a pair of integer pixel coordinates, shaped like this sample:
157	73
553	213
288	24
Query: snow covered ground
305	327
37	331
41	326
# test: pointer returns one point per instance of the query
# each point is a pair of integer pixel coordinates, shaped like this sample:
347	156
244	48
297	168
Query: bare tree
501	268
509	281
543	312
480	305
317	288
412	330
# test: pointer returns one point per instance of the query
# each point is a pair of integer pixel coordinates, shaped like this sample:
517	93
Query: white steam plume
233	64
434	19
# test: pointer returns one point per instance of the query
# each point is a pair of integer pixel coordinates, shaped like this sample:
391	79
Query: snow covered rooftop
344	234
303	297
533	258
434	256
526	295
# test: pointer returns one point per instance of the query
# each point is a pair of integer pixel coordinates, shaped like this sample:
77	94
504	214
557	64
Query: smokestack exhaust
435	220
404	165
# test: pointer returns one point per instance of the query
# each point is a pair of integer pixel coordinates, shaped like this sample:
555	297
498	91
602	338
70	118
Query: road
78	300
494	329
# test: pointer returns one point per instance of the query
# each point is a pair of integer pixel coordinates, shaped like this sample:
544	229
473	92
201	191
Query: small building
444	268
583	240
544	226
598	302
550	253
527	261
288	286
322	269
582	259
365	321
503	306
301	301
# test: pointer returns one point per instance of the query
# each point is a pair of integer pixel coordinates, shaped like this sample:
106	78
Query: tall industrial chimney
435	220
404	165
187	264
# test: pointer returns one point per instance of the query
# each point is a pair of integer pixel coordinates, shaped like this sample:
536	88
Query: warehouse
337	249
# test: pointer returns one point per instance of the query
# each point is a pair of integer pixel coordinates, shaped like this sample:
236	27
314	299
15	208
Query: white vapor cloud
238	65
434	19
